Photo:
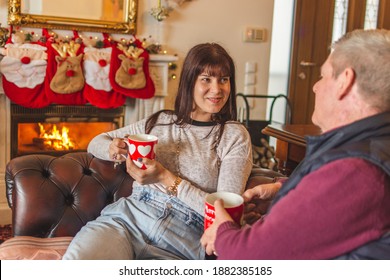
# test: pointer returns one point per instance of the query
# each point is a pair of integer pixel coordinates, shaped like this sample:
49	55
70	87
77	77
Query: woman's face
210	95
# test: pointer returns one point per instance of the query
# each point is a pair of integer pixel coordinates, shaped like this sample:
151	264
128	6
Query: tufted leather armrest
263	176
55	196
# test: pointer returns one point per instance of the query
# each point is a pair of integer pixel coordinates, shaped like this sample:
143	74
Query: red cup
141	146
233	204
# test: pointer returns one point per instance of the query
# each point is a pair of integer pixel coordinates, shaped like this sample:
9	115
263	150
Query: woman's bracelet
172	189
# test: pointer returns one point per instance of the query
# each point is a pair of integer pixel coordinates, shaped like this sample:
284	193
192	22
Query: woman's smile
214	100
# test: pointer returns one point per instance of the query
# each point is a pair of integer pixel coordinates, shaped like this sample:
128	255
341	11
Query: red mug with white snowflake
141	146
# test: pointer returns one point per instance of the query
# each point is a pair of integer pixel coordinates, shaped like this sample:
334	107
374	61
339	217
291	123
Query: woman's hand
118	150
155	172
208	238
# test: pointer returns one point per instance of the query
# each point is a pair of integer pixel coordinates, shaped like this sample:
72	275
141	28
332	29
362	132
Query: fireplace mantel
135	109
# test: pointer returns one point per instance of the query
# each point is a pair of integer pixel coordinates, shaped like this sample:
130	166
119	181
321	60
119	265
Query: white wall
197	21
279	70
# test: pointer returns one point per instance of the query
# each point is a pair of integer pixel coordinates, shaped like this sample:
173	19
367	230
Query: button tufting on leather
66	200
45	173
110	198
69	199
87	171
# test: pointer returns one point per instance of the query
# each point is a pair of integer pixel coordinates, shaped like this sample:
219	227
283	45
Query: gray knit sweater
198	162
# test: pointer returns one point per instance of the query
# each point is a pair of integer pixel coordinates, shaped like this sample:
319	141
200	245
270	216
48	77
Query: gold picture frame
127	26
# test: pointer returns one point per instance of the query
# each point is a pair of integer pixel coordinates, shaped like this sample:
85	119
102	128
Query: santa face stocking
97	67
129	71
97	89
24	71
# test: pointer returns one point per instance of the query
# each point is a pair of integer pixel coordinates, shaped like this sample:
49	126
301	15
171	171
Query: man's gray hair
367	52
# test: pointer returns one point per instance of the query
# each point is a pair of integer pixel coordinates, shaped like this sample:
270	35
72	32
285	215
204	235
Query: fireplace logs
56	130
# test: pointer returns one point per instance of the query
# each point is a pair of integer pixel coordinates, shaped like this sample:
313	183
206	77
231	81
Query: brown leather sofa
53	197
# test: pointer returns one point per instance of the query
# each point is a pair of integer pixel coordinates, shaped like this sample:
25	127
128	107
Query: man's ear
346	81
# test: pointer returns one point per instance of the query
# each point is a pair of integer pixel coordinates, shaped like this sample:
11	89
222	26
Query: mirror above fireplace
108	16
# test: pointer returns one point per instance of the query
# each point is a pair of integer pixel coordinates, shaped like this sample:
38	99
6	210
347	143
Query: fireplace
57	129
11	122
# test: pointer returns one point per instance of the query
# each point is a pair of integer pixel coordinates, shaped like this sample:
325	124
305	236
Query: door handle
307	64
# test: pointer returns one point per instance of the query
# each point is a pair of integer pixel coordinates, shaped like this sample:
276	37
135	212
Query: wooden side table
290	143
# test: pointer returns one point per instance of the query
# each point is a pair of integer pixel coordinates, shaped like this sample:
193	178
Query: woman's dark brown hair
210	58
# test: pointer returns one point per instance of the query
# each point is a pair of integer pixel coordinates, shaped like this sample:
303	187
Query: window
340	18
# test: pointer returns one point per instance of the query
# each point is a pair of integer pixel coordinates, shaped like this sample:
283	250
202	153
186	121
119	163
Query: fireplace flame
55	139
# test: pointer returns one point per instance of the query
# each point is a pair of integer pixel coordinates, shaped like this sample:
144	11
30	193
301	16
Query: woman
201	149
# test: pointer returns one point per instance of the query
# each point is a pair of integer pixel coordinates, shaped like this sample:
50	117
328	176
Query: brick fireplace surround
135	109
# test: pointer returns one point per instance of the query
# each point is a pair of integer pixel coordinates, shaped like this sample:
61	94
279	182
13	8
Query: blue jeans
146	225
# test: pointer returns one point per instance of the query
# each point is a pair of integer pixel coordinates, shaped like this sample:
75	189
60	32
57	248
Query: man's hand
258	200
209	236
264	192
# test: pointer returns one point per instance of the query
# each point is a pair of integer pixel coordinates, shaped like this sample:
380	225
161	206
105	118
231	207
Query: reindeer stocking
24	70
97	89
129	71
65	78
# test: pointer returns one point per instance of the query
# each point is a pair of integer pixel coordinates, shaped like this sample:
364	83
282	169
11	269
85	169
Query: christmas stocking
24	70
129	71
64	76
97	89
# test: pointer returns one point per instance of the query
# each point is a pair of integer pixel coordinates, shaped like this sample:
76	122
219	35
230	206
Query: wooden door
312	35
384	14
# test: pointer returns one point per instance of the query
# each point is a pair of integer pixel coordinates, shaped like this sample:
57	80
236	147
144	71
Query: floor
5	233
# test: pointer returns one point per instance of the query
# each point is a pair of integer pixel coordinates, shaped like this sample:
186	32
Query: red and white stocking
129	71
64	77
24	71
98	90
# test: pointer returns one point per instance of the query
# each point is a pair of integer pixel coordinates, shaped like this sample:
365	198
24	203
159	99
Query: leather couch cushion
34	248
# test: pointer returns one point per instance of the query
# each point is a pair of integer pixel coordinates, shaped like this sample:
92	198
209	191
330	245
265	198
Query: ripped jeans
146	225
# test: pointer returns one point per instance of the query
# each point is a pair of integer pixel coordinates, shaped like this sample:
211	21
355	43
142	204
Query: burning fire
55	139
